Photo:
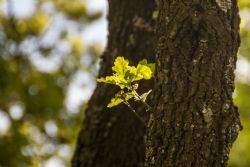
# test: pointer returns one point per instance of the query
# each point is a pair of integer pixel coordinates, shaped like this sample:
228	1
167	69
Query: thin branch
149	108
133	110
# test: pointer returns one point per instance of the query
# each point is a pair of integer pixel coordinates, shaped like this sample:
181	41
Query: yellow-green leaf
129	96
120	66
150	65
116	80
144	72
145	95
114	102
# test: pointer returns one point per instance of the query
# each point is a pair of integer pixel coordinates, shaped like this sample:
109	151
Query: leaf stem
149	108
133	110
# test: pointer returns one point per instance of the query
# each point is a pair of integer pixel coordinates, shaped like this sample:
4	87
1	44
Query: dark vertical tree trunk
194	122
115	137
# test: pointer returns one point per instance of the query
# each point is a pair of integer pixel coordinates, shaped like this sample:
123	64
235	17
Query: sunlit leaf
144	72
114	102
120	66
150	65
145	95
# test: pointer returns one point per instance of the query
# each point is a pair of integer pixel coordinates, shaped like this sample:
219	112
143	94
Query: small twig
149	108
133	110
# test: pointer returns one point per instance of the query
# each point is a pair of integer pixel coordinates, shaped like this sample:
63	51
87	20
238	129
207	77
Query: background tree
194	122
115	137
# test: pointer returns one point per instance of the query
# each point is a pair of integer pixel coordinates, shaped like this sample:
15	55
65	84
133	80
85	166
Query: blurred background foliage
45	62
240	154
48	64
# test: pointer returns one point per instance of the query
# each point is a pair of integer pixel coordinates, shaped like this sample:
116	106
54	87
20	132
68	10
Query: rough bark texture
115	137
194	122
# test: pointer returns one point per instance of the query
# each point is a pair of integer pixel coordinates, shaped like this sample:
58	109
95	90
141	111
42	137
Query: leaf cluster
126	77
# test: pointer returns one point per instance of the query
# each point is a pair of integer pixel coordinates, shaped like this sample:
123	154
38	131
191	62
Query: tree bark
194	122
115	137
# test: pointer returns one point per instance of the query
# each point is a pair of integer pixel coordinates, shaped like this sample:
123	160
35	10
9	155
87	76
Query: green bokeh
42	94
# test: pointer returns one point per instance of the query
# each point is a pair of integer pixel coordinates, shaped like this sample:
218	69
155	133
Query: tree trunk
194	122
115	137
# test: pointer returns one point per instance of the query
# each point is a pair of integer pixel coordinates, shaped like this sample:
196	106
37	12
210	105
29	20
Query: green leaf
108	79
114	102
145	95
143	62
120	66
144	72
125	74
129	95
115	80
118	99
130	74
150	65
